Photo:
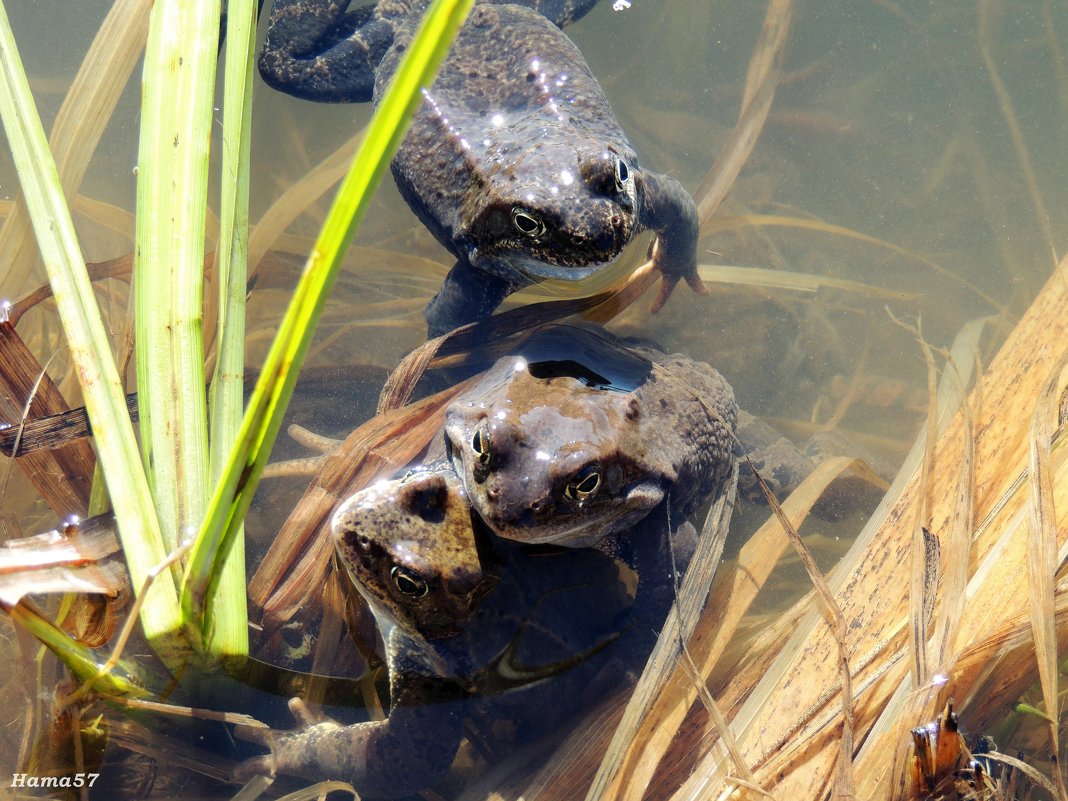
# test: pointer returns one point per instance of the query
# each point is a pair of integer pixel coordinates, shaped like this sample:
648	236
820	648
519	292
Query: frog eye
622	174
481	446
527	222
584	484
408	582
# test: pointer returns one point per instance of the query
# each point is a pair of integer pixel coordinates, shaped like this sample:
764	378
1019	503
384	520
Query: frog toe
670	281
251	768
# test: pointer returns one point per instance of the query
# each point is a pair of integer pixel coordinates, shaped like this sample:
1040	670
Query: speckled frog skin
473	627
552	451
514	161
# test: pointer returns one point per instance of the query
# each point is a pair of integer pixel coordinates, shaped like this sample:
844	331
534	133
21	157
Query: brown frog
581	435
514	161
473	627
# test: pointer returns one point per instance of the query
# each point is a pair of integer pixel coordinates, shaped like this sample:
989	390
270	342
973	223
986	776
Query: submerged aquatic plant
943	628
190	42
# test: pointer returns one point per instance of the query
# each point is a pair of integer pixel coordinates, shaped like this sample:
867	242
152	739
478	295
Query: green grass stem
263	417
178	88
227	618
90	350
83	661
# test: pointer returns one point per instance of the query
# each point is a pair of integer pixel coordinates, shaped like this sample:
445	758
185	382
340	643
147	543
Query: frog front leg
317	51
467	295
668	209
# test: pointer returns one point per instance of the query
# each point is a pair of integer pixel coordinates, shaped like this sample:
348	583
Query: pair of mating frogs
514	161
494	572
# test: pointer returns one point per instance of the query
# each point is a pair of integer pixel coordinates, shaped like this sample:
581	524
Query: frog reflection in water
514	161
551	450
473	627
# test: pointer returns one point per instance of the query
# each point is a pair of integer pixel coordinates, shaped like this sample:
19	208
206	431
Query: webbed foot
316	50
407	752
668	209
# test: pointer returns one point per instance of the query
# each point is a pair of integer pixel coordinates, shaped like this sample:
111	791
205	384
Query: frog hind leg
668	209
316	50
409	751
559	12
467	295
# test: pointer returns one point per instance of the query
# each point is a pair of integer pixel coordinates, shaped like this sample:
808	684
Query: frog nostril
617	221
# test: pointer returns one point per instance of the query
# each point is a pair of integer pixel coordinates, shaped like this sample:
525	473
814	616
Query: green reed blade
177	91
90	350
126	679
228	613
263	416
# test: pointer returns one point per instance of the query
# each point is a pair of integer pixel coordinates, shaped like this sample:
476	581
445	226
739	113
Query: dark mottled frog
514	161
581	435
473	627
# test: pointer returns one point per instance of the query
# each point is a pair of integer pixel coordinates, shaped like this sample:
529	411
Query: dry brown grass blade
720	724
778	220
920	591
844	781
332	634
718	624
62	476
1042	557
677	630
760	84
1008	110
400	385
57	562
53	431
81	120
790	281
958	537
113	268
872	587
297	561
599	308
493	333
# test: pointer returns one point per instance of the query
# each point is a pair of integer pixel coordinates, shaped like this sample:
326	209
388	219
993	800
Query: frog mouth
540	271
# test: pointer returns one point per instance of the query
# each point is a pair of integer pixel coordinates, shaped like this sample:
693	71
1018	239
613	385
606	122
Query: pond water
913	157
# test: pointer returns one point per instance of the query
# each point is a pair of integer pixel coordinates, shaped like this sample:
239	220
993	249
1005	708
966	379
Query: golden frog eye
622	174
584	484
481	446
528	222
408	582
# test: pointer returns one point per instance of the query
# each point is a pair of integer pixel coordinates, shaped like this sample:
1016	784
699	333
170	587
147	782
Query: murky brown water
894	157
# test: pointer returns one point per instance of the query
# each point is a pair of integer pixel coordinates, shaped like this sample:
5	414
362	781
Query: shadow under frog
514	161
474	627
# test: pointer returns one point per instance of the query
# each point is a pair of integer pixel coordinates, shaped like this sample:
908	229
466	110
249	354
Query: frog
578	435
514	160
474	628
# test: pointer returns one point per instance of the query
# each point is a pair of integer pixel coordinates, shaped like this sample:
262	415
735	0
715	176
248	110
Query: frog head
547	458
409	546
555	209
